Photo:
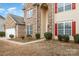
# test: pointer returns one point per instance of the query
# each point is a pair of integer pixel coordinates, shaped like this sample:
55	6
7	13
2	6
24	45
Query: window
29	29
60	7
68	28
67	6
64	7
60	29
29	13
64	28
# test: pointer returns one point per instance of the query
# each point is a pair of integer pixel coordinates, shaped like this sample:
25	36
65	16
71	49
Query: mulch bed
28	39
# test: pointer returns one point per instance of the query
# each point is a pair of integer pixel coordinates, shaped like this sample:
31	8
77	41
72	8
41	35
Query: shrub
37	35
66	38
60	37
48	35
2	34
11	36
76	38
22	37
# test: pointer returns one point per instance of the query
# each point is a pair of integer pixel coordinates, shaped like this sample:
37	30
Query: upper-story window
29	13
64	7
67	6
60	7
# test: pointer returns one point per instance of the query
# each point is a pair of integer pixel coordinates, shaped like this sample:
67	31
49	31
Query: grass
28	39
44	48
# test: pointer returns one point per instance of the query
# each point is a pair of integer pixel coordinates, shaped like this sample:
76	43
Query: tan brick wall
20	30
35	20
50	15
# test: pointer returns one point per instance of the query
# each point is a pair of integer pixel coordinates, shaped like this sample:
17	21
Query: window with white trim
64	7
29	29
67	6
29	13
60	29
60	7
64	28
68	28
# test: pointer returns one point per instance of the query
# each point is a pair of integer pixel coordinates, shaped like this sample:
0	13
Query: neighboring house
2	20
66	19
38	18
14	25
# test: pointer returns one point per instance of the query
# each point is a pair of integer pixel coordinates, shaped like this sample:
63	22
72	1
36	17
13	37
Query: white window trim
64	7
29	30
64	26
28	13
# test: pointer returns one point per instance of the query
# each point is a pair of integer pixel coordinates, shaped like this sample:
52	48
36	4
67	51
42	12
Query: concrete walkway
20	43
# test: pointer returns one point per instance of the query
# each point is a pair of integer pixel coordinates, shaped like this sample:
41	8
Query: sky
12	8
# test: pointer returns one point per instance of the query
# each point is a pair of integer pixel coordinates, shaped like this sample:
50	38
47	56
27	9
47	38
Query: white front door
10	31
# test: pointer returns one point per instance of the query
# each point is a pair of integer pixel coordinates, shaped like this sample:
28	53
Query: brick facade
35	20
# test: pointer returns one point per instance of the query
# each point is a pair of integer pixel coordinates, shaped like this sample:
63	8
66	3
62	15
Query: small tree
66	38
2	34
48	35
37	35
60	37
76	38
22	37
11	36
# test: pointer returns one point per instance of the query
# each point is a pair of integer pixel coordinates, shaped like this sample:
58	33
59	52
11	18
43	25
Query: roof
18	19
1	17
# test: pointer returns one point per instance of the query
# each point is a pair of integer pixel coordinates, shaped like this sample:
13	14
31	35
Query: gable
10	22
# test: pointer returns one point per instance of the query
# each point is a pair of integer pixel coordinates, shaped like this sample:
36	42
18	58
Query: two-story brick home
38	18
58	18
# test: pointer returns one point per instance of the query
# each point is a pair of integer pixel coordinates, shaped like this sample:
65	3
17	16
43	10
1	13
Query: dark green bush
2	34
11	36
76	38
37	35
48	35
66	38
60	37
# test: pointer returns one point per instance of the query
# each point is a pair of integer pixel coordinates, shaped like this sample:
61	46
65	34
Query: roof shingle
18	19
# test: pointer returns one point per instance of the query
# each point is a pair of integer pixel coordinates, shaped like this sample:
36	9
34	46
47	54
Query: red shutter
56	29
73	5
73	28
55	7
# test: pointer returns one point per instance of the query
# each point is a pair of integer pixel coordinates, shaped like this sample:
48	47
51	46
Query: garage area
14	25
10	31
